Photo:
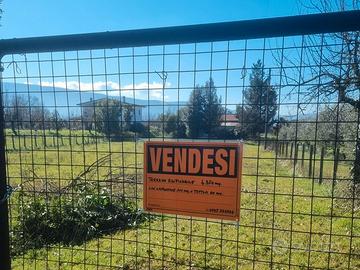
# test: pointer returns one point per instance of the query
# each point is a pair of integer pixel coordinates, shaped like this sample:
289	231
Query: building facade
88	110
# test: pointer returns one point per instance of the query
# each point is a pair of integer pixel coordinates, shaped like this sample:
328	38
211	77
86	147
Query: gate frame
5	259
344	21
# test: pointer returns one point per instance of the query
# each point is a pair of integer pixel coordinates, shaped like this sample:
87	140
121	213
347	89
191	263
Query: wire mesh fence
75	121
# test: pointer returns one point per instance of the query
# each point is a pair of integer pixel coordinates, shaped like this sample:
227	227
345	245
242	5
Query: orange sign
193	178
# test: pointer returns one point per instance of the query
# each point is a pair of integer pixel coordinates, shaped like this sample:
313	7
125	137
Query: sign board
193	178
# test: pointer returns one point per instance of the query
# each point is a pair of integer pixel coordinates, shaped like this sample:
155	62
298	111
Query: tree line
29	113
204	115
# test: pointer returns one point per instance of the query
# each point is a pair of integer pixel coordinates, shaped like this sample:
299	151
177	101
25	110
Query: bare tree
16	112
40	116
329	68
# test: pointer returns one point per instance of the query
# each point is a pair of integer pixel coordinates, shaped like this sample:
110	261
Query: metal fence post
5	261
13	142
24	139
303	155
336	164
311	159
321	165
295	153
35	139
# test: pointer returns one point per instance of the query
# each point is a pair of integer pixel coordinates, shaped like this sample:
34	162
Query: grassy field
285	218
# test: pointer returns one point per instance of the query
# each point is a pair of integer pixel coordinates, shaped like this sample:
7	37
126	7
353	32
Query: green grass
282	220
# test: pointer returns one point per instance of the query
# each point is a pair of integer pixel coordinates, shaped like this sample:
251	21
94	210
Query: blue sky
44	17
23	18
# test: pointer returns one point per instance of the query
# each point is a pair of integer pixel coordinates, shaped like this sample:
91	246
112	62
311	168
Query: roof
92	102
229	120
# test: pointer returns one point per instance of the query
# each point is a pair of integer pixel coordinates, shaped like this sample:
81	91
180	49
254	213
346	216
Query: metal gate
77	110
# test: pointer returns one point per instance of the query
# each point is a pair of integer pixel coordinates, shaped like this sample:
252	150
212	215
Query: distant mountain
66	101
300	117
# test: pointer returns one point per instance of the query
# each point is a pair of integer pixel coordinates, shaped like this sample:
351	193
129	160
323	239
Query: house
229	120
88	109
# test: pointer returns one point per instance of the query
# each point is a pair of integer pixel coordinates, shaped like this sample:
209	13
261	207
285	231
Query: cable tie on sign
8	192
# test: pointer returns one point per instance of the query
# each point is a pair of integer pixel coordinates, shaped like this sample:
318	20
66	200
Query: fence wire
75	124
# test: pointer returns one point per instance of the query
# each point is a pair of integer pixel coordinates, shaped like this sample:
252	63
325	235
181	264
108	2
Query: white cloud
155	88
75	85
113	88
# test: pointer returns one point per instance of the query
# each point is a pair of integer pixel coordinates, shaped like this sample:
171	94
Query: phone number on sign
221	211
